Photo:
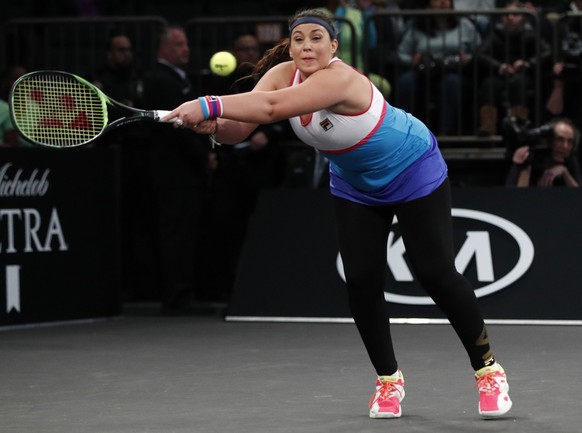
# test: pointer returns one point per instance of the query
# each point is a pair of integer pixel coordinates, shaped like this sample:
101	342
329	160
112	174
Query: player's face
311	47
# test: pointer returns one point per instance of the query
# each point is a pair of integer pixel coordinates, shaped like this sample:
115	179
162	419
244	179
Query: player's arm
272	100
327	88
229	131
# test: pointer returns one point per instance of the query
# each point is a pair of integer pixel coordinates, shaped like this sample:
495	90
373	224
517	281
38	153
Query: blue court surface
145	373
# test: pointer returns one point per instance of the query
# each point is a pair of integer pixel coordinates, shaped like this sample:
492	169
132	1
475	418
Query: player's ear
334	45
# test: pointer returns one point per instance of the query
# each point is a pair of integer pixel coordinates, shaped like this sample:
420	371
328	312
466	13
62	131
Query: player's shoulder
340	71
284	68
279	76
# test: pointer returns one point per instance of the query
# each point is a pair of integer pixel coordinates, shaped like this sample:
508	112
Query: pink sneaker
494	399
385	401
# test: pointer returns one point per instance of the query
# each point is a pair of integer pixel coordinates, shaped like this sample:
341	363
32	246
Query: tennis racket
60	109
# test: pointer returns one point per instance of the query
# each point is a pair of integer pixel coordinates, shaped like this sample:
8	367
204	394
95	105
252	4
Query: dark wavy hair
280	52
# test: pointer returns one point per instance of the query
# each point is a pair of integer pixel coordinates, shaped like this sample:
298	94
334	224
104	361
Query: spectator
118	77
368	8
436	48
239	174
381	55
366	37
482	21
260	153
9	136
554	164
179	165
542	10
398	23
508	58
9	76
340	9
564	98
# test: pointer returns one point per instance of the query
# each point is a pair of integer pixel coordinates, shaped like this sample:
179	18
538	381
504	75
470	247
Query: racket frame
133	114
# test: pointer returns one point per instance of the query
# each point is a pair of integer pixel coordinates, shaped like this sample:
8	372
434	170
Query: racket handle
161	113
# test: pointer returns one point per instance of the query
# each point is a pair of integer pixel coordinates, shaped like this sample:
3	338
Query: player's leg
363	233
426	228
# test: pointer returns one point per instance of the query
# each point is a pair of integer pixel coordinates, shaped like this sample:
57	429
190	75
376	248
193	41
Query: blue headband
314	20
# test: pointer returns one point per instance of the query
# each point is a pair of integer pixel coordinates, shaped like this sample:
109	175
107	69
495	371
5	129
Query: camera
518	132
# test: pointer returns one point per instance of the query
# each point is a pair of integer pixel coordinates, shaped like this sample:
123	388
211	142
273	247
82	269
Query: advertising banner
520	248
59	235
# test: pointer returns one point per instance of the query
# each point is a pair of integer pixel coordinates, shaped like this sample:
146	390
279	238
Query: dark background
82	281
172	10
288	268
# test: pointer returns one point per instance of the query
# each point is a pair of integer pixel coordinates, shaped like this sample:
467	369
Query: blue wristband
204	107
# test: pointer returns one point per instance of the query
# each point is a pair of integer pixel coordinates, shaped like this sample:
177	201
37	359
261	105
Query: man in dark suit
179	167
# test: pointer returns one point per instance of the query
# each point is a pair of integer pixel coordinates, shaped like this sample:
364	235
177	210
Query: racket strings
57	110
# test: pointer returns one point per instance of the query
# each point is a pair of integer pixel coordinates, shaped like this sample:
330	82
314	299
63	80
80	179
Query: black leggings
426	228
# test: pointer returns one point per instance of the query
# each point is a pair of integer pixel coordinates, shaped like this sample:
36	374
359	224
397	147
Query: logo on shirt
326	124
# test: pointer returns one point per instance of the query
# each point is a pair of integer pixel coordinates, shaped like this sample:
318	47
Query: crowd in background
186	204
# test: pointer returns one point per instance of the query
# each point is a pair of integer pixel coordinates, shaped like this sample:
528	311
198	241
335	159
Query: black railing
385	61
77	45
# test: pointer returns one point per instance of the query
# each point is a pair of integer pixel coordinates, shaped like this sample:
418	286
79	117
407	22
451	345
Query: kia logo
477	246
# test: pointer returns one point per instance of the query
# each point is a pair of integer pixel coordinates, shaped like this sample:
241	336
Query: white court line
19	326
399	321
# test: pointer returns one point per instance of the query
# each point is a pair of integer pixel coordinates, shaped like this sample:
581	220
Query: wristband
211	107
204	107
214	106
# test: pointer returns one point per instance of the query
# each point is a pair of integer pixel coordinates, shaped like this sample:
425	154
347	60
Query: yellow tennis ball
223	63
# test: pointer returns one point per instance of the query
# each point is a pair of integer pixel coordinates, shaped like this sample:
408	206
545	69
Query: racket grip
162	113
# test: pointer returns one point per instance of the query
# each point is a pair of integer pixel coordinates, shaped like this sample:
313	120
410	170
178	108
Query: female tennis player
383	162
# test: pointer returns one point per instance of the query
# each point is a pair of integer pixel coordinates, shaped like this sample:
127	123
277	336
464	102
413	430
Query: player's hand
206	127
187	115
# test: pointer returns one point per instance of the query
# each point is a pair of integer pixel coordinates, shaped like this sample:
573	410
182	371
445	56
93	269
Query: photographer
553	164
